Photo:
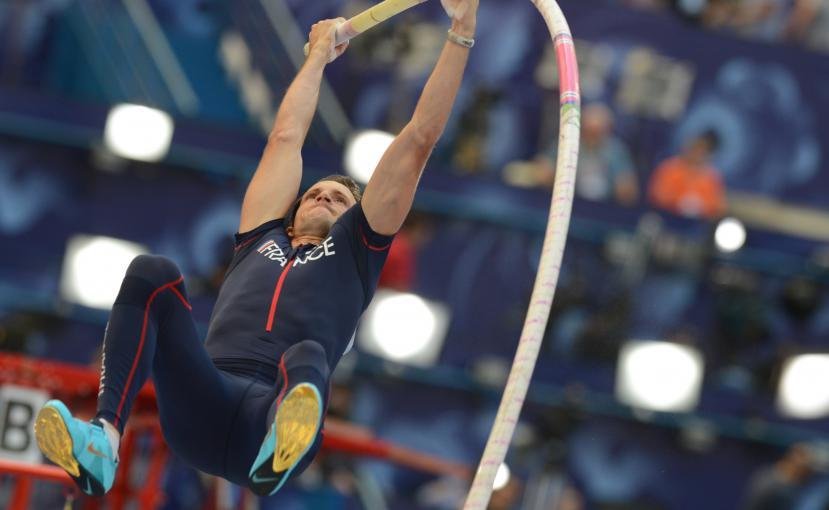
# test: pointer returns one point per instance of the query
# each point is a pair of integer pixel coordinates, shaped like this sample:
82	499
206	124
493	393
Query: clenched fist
463	14
322	39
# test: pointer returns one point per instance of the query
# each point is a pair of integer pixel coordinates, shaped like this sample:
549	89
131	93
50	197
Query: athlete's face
320	207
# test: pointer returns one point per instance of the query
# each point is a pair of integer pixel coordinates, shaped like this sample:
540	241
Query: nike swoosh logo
88	487
91	449
257	479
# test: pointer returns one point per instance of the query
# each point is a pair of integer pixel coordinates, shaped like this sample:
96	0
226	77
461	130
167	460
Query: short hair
712	138
600	111
348	182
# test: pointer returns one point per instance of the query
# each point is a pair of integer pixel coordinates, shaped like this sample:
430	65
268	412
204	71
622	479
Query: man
606	170
781	485
688	184
248	405
809	22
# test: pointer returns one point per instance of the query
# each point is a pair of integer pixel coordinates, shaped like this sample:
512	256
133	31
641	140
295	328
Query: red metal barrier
78	387
25	473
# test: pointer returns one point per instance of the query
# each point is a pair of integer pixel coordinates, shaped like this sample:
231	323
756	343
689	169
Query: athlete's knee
145	275
154	268
307	353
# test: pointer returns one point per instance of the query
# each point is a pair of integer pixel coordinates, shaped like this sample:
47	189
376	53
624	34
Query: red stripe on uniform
141	341
369	245
181	298
242	245
276	293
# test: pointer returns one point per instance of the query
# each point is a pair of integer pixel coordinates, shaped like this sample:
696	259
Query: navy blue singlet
274	295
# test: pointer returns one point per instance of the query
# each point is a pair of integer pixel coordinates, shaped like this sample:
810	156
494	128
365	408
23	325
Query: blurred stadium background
685	362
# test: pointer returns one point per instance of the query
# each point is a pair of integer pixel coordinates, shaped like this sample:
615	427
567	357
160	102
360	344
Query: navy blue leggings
214	420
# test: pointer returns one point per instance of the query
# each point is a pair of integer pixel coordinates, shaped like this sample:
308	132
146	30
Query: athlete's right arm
275	184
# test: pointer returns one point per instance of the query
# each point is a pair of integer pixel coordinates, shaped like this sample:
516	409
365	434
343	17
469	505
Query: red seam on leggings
285	381
141	344
181	298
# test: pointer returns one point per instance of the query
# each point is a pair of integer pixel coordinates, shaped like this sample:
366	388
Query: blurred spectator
551	489
334	469
469	147
715	14
400	270
809	23
605	170
687	184
777	487
24	30
508	496
654	5
759	19
27	332
802	21
571	499
742	335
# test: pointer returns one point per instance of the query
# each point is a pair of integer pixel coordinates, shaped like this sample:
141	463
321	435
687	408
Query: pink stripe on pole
568	68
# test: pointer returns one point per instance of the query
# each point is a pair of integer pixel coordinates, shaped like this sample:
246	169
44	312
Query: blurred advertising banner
18	408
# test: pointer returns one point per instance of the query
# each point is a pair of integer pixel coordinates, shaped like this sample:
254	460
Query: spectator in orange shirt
687	184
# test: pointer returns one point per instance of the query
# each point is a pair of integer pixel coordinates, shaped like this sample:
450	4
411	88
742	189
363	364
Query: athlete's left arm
389	194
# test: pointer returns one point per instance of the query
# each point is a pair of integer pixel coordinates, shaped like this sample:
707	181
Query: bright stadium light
730	235
363	152
404	328
502	477
659	376
138	132
93	268
804	387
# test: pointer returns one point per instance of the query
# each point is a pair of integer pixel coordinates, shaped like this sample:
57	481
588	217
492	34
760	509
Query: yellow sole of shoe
297	423
54	440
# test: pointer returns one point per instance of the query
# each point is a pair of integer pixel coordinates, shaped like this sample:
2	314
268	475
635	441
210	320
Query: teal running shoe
80	448
293	431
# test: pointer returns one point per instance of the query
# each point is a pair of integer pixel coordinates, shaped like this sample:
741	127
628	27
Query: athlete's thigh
196	401
249	429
